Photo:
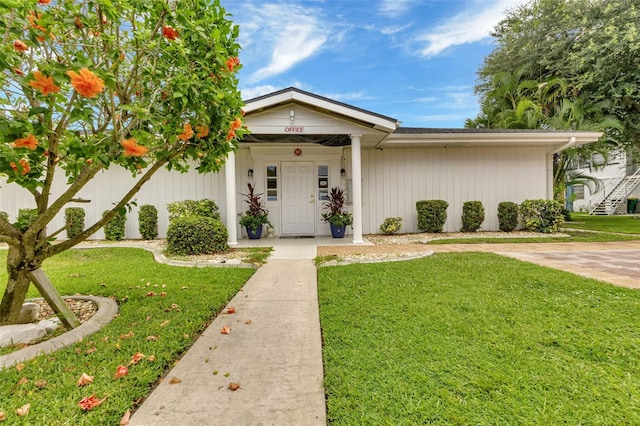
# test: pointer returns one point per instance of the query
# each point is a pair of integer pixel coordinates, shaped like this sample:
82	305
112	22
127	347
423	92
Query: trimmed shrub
391	225
542	215
148	222
432	214
507	216
191	235
25	218
4	215
472	216
204	208
114	229
74	221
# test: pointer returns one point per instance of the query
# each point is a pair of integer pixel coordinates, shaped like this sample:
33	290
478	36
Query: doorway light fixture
343	172
250	174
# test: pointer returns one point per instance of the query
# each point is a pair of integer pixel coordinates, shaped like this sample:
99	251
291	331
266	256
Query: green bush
472	216
204	208
114	229
432	214
507	216
148	222
25	218
191	235
542	215
391	225
74	221
4	215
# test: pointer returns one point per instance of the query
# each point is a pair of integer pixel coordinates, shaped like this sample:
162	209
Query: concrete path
273	351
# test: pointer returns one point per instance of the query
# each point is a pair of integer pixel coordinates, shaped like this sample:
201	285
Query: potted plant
255	216
337	216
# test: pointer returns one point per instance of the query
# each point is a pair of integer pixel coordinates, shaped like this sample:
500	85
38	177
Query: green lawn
477	339
625	224
193	297
576	236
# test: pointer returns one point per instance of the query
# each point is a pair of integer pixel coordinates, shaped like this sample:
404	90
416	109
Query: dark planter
631	205
254	235
337	231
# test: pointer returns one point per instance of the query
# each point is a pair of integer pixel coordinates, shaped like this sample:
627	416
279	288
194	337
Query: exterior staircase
612	198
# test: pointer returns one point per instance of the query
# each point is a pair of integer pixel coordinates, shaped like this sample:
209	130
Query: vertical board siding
108	187
394	179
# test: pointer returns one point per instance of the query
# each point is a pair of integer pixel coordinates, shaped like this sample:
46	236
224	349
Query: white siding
394	179
108	187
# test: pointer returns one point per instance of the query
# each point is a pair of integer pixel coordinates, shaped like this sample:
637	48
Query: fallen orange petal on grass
41	384
225	330
151	338
89	402
124	421
231	310
23	411
136	358
85	379
22	381
121	371
20	367
3	416
234	386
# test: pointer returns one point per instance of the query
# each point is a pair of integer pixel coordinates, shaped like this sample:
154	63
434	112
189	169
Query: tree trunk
17	286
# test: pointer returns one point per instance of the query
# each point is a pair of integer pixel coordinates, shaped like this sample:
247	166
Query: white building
303	144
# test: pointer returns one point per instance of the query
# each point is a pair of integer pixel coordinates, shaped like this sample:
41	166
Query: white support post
356	182
230	185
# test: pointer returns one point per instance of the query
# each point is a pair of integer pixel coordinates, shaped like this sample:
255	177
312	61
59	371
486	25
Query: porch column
356	186
230	186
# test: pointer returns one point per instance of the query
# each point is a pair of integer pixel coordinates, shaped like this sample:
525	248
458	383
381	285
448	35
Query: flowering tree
91	84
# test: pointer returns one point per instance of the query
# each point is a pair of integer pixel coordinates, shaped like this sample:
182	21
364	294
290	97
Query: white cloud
343	97
394	29
281	36
469	26
254	92
394	8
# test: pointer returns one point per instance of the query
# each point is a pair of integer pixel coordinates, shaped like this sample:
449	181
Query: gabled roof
292	94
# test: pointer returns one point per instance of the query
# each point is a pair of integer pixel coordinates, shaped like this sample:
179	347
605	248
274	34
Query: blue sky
413	60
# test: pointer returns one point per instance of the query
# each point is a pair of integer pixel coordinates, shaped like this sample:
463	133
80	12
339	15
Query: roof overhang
438	138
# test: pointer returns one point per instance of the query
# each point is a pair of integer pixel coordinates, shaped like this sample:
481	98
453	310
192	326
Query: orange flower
136	358
187	133
26	168
33	17
236	124
121	371
132	149
85	379
232	62
170	33
89	402
44	84
44	1
86	83
231	135
20	46
203	131
29	142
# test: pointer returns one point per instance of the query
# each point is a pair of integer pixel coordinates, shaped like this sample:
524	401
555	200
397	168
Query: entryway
298	198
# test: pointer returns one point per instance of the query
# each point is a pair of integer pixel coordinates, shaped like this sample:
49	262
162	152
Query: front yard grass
626	224
575	236
475	338
159	326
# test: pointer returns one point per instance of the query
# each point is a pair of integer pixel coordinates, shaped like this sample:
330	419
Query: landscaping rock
29	313
26	333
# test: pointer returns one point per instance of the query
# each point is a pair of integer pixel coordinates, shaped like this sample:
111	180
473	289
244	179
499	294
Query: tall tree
593	45
86	85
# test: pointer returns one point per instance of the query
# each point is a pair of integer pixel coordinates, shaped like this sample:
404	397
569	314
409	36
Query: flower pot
337	231
254	235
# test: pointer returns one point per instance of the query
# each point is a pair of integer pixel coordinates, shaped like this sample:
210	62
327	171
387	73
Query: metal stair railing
623	189
618	194
608	187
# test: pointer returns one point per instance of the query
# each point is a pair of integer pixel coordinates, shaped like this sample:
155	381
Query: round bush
148	222
472	216
507	216
114	229
542	215
391	225
432	215
191	235
74	221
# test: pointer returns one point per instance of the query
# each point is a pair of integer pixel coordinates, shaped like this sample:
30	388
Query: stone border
377	260
107	311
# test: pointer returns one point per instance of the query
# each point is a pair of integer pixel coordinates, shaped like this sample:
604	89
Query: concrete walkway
273	351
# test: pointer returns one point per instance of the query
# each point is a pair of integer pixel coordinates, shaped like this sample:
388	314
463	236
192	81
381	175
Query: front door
298	201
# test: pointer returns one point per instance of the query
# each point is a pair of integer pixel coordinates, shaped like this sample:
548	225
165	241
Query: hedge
148	222
191	235
507	216
74	221
472	216
432	215
542	215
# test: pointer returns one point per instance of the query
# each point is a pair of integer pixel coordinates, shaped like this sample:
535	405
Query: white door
298	199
